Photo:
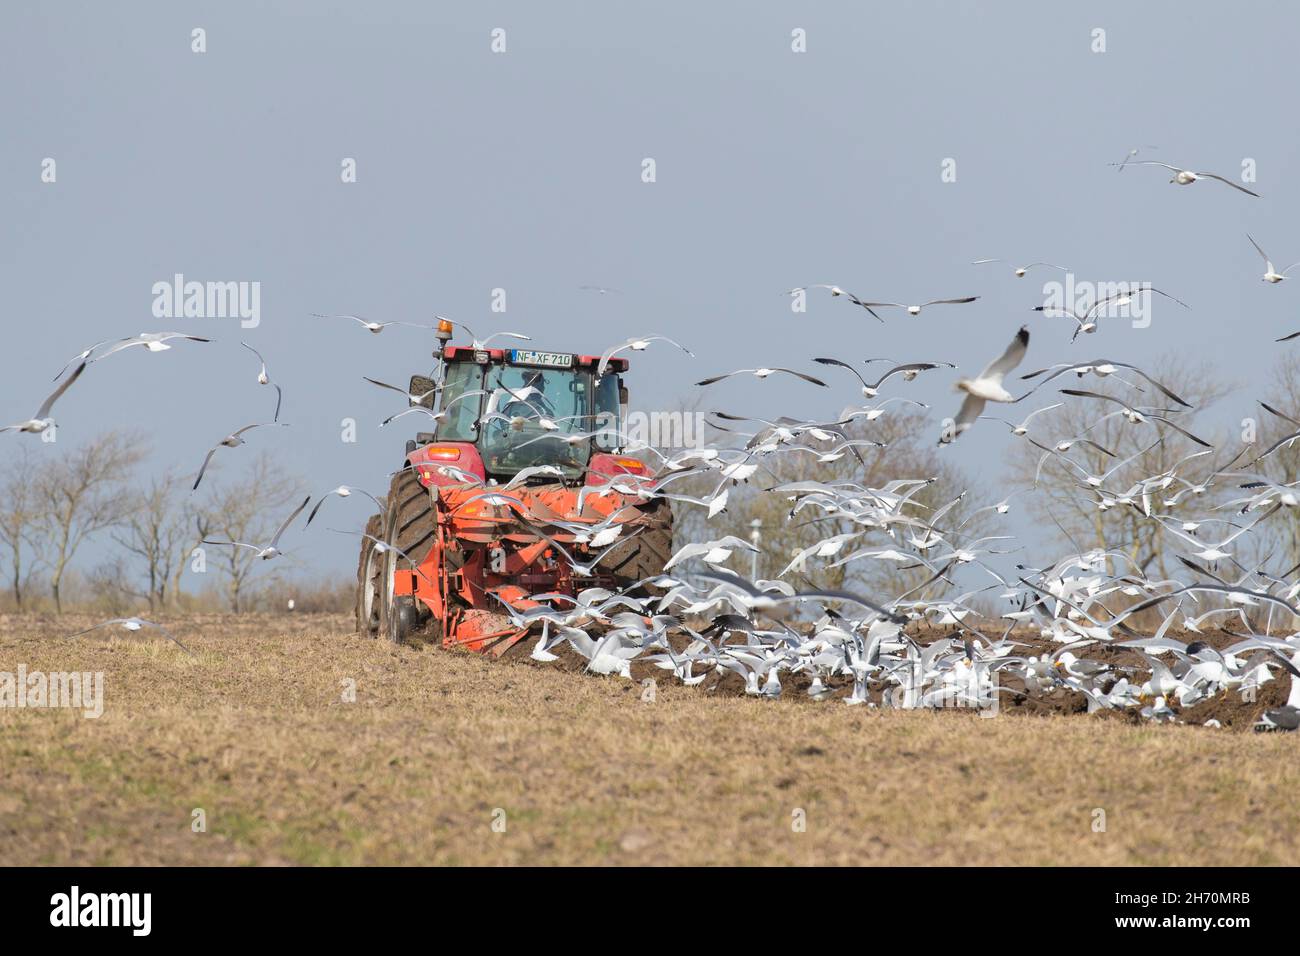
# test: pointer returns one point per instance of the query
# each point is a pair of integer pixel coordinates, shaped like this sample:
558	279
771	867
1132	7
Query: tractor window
607	414
536	416
460	423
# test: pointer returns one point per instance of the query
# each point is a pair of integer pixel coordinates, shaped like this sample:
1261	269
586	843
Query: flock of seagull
699	618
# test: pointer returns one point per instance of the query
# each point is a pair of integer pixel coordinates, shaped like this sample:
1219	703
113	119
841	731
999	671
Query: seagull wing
44	410
834	361
1262	255
204	468
806	378
1229	182
275	539
1009	359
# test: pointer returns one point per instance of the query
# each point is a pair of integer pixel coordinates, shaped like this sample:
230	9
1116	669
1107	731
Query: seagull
264	379
233	440
80	358
763	373
909	371
1185	177
599	289
710	552
1101	368
436	416
344	491
987	386
1021	270
1269	274
134	624
1133	415
375	327
42	420
835	292
153	341
410	396
1023	427
483	343
273	548
916	309
1131	153
636	345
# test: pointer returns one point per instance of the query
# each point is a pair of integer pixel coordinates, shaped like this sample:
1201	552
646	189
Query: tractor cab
521	408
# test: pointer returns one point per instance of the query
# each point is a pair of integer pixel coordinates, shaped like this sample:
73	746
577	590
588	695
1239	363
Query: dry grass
253	730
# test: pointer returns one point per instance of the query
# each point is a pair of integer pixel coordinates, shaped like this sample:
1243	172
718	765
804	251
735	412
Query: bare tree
20	478
249	510
82	494
156	532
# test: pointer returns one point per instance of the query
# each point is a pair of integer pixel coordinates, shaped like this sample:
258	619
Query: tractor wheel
368	568
644	555
412	527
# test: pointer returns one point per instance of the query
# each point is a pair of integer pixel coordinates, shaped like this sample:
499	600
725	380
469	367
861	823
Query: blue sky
522	170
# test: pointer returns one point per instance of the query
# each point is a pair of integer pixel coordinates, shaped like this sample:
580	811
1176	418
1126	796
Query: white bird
1021	270
761	373
375	327
1270	275
233	440
835	292
916	309
636	345
42	420
1023	427
152	341
273	547
987	386
710	552
264	379
79	358
1185	177
134	624
345	491
483	343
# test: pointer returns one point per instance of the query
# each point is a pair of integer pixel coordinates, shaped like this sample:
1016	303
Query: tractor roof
532	358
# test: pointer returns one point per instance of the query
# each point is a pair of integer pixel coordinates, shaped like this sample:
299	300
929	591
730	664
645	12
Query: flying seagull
916	309
344	491
264	379
909	371
636	345
273	548
763	373
835	292
987	386
1021	270
134	624
42	420
1185	177
1271	275
233	440
152	341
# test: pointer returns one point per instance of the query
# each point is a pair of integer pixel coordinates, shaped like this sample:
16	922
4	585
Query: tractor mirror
424	388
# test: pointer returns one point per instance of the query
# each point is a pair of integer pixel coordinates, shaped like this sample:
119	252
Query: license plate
546	359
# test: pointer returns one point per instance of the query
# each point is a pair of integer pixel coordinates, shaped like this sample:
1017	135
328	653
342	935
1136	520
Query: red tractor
490	507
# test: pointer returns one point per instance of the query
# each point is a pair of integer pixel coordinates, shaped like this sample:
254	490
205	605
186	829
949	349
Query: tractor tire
644	555
368	578
412	528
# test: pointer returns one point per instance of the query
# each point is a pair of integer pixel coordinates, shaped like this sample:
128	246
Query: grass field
254	731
